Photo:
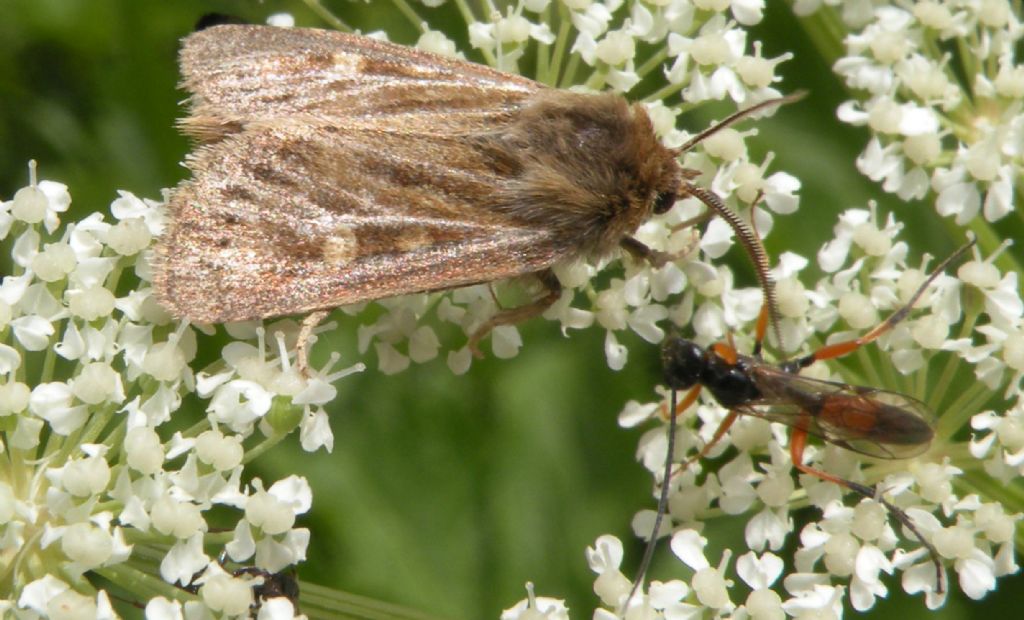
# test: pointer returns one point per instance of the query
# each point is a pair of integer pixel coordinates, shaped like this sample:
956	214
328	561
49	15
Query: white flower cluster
91	373
940	85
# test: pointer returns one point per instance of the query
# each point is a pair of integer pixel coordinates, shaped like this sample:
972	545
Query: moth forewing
335	169
244	73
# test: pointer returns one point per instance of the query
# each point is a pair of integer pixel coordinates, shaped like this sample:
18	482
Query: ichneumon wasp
871	421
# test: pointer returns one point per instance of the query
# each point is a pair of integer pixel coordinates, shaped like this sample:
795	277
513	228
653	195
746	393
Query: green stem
1010	496
467	16
198	427
596	81
143	584
410	14
938	392
86	434
826	31
663	93
543	50
653	62
561	41
321	602
961	410
51	355
570	71
327	16
269	442
988	241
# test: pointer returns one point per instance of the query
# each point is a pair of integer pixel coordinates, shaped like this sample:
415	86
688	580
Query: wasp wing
877	423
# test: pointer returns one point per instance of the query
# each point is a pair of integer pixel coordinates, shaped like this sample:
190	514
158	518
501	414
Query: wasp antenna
645	561
740	115
941	267
903	311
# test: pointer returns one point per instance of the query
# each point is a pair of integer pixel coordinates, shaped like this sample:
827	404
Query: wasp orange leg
723	428
689	399
840	349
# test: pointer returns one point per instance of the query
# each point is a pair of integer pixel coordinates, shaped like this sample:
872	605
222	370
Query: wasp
265	584
875	422
271	585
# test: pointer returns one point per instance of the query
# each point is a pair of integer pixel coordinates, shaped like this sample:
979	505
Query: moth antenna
769	293
750	241
645	561
740	115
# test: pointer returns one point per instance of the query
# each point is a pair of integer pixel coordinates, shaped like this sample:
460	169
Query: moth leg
697	220
494	295
305	334
640	251
655	258
553	290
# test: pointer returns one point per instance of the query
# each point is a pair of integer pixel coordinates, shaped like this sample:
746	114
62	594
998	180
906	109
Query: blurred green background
445	494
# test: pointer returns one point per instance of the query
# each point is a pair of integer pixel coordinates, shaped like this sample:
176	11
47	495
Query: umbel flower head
940	86
91	374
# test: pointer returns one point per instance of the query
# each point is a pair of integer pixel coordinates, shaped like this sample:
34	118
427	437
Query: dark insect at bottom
265	584
273	585
874	422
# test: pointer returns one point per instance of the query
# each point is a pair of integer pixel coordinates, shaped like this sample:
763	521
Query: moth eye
664	201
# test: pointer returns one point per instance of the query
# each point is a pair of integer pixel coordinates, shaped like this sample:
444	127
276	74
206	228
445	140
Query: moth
333	168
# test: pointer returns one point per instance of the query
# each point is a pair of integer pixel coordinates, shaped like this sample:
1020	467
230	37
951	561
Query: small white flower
604	558
536	608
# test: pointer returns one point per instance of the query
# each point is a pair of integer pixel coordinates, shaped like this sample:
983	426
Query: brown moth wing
297	216
239	74
305	198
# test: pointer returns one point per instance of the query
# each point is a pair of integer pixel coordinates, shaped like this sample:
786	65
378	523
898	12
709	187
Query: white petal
315	431
183	560
606	554
918	120
688	546
615	353
976	577
759	572
33	332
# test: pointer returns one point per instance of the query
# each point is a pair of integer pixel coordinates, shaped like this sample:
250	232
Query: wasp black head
682	363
